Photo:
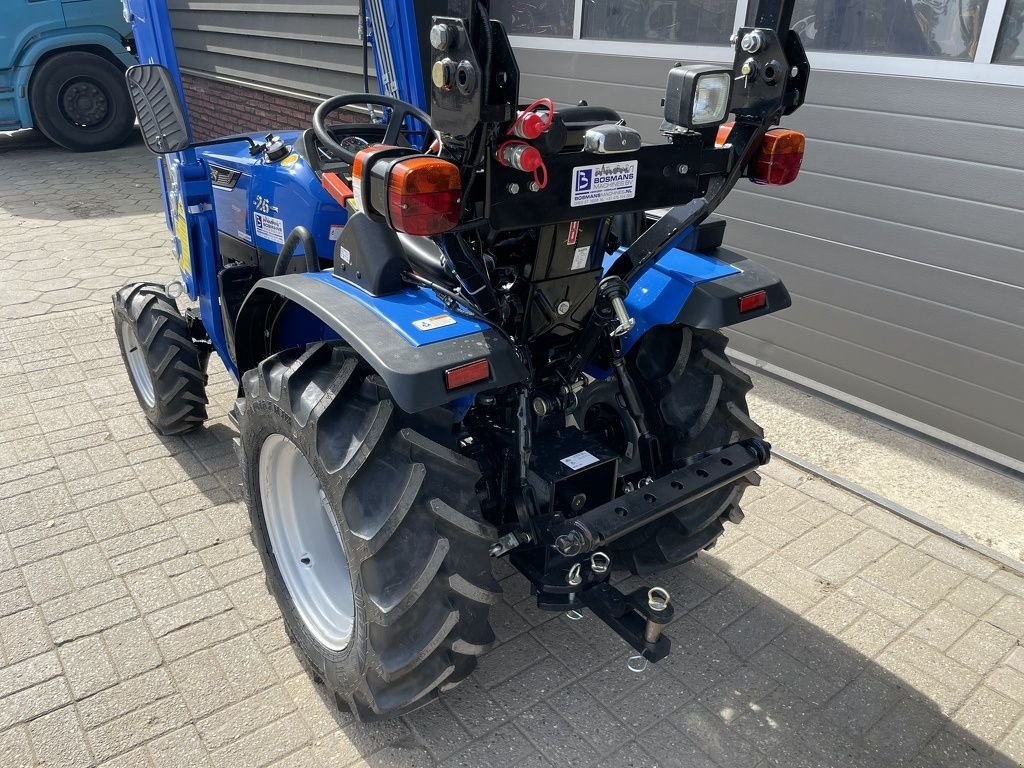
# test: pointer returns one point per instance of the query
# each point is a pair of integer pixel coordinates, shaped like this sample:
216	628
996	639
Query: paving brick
132	648
137	727
852	557
988	714
16	749
560	743
29	703
1008	615
942	625
58	739
974	596
87	665
265	745
179	749
125	697
24	635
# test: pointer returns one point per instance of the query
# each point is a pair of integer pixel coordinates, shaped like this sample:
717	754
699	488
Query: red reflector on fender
478	370
752	301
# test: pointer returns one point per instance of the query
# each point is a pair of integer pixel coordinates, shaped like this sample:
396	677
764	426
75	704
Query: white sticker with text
580	460
604	183
269	228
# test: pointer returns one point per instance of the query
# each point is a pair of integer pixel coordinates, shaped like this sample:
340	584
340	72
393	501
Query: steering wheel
400	110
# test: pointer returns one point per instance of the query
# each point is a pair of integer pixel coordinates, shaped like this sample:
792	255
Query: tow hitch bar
623	515
563	583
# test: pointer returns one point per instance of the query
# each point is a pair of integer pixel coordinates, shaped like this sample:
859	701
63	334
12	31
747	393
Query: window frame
981	70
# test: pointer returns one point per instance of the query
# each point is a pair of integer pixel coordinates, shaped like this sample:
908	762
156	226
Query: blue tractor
458	337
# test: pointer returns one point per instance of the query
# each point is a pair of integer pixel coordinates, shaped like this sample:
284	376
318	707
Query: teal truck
62	66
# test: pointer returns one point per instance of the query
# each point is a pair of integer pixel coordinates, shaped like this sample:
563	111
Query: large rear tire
164	365
80	101
695	401
405	586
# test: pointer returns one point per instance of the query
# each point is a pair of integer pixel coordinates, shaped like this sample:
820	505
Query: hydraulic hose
298	235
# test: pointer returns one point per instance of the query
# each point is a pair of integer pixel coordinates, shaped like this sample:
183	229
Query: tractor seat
426	259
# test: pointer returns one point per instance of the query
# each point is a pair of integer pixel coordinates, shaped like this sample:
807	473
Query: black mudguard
715	304
414	375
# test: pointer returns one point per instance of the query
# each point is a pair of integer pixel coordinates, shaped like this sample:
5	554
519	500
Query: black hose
298	235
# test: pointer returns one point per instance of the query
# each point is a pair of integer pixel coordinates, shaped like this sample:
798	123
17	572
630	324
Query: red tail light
470	373
752	301
424	196
778	160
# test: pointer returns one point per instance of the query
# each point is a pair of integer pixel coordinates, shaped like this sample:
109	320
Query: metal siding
310	48
901	241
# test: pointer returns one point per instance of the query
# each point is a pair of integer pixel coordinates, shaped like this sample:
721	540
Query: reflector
478	370
778	160
424	195
752	301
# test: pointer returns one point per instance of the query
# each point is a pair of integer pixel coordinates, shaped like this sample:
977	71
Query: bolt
442	36
534	186
540	406
563	307
794	71
752	42
683	169
513	188
626	322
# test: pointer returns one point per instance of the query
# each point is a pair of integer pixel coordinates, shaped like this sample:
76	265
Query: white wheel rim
306	542
137	366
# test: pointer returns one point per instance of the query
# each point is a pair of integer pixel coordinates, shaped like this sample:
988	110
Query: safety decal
269	228
292	159
604	183
580	257
580	460
336	230
181	234
430	323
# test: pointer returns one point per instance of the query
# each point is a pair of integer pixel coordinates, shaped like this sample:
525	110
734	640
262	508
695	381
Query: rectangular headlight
698	96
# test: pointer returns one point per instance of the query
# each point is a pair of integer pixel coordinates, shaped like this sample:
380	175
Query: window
671	21
535	17
945	29
1010	45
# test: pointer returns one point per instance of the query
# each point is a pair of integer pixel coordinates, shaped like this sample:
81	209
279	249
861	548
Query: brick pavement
136	630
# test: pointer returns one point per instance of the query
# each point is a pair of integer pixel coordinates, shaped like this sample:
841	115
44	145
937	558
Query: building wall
262	64
901	241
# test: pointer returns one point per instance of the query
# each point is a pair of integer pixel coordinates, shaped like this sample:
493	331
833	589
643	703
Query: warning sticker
604	183
437	321
336	231
344	254
580	257
580	460
269	228
181	233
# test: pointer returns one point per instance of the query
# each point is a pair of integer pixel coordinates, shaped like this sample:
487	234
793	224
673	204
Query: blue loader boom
458	335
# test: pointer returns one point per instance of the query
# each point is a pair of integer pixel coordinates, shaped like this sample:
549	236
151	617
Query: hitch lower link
625	514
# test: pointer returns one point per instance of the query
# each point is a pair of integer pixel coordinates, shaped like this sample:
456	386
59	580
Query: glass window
944	29
1010	45
523	17
709	22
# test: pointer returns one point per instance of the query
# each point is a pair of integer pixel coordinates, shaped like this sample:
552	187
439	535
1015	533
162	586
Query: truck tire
367	521
166	368
694	400
80	101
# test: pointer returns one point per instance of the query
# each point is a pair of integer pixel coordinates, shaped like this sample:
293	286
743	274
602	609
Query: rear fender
292	310
701	290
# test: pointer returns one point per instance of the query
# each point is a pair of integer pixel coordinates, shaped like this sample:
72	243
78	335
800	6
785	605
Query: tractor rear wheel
695	400
164	365
367	521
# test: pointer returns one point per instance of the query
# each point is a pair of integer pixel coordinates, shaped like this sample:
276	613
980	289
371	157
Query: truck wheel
695	401
80	101
368	524
164	365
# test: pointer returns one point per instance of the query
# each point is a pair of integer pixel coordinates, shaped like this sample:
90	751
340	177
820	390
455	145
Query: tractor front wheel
166	368
368	524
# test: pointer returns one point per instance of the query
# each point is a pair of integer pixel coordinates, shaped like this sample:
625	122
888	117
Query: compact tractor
459	335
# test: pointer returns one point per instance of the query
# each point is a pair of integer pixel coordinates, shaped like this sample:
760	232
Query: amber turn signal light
424	196
778	160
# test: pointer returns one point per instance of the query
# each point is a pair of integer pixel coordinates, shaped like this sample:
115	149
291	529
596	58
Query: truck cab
62	68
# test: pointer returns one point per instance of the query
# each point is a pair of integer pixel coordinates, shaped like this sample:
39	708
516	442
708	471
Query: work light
698	96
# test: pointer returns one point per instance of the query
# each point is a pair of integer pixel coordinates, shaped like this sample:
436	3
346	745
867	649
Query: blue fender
59	40
410	338
701	290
